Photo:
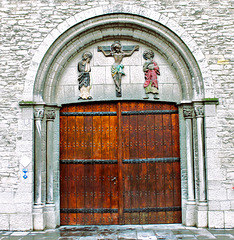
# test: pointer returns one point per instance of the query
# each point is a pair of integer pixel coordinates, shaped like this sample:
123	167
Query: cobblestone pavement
124	232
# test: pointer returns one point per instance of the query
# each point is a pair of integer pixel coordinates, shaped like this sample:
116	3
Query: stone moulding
152	21
96	25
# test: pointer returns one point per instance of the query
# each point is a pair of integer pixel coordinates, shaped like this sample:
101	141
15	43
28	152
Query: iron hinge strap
158	209
88	161
149	112
151	160
86	210
88	114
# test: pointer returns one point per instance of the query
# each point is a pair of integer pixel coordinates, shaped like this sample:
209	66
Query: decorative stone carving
50	115
38	114
84	76
151	71
188	112
199	111
118	53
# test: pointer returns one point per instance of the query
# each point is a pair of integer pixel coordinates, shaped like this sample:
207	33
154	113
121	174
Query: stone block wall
24	26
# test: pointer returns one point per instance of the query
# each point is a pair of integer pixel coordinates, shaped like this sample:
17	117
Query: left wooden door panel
88	164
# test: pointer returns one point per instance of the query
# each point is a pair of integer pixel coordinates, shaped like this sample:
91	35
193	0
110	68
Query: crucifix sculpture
118	53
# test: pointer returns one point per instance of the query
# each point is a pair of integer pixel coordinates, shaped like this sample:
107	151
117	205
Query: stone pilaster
202	201
50	206
38	209
190	204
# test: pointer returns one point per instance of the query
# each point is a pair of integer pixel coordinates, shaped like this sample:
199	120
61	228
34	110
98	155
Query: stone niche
102	84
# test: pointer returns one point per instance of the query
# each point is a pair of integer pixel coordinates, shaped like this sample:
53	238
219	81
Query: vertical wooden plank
152	199
167	125
114	167
106	171
133	168
63	167
177	192
176	165
79	154
63	135
88	167
143	175
97	171
63	193
71	188
160	167
124	197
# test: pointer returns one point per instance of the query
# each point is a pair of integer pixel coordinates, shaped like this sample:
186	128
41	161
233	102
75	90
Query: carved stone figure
84	76
118	53
151	71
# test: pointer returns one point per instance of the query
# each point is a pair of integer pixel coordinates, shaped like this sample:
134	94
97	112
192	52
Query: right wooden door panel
151	163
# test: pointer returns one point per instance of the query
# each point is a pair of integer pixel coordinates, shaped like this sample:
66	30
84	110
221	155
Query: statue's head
148	54
116	46
87	55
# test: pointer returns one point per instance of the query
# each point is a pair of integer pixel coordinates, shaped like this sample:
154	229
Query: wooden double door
119	163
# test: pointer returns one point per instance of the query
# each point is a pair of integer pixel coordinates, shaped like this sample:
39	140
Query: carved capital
199	111
188	112
50	115
38	114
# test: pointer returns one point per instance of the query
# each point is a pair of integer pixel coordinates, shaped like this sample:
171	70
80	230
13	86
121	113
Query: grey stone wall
25	24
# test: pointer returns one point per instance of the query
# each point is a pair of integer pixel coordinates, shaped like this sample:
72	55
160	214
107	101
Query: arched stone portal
186	85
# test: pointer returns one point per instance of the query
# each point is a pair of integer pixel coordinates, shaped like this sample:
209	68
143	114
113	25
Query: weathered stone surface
207	27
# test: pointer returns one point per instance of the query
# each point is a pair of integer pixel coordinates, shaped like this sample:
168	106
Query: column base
38	217
202	215
50	216
190	213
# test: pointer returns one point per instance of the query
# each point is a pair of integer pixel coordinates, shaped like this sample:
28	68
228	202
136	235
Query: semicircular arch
96	25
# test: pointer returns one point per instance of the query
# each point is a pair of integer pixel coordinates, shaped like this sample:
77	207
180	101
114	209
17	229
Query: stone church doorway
119	163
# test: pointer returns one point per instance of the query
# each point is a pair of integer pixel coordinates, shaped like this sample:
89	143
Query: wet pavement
123	232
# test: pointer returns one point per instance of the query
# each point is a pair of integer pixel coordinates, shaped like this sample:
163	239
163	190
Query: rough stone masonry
24	26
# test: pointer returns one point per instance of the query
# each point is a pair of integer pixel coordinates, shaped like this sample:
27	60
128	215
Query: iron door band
88	161
146	112
125	161
115	210
150	112
88	114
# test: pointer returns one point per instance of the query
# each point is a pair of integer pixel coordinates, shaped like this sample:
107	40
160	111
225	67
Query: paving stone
130	234
146	235
223	237
182	231
204	237
134	232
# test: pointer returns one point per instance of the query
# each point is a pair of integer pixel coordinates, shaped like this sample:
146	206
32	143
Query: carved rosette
38	114
199	111
50	115
188	112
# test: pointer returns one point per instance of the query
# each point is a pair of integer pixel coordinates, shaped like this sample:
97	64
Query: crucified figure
118	54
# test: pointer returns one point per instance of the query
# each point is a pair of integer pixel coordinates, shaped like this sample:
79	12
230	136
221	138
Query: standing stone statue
118	54
84	77
151	71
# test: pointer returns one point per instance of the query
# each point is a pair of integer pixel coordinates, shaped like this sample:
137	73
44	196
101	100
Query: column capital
50	115
199	111
38	113
188	111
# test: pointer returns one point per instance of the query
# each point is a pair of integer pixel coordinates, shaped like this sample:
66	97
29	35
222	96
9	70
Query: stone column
50	206
202	201
38	209
190	204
